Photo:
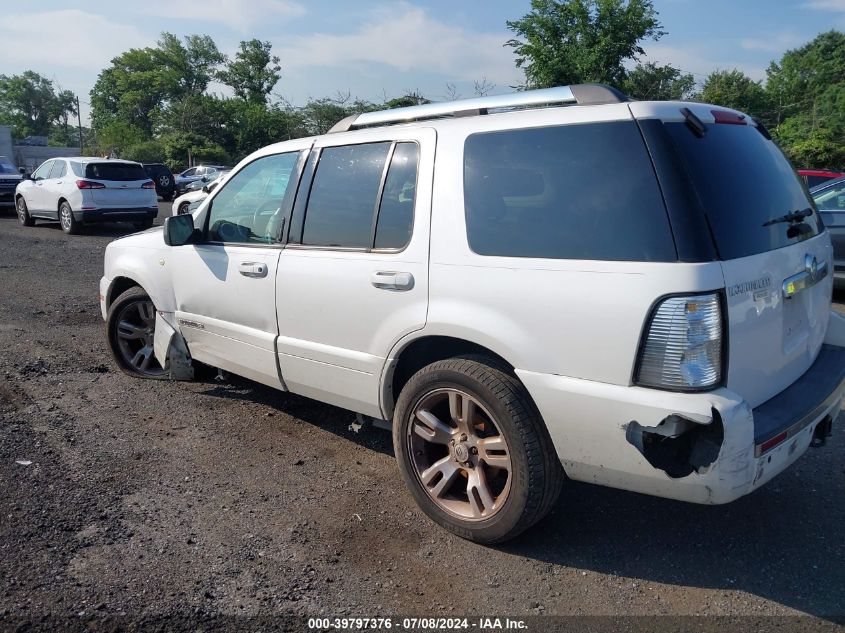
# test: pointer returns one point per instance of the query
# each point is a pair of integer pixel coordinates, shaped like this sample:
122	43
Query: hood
150	239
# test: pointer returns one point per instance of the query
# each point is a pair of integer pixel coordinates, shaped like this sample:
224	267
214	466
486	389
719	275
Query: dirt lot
181	505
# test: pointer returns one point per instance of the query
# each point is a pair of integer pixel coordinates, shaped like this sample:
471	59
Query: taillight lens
89	184
683	344
149	185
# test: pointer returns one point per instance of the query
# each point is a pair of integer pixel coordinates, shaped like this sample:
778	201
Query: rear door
353	278
123	184
51	191
775	255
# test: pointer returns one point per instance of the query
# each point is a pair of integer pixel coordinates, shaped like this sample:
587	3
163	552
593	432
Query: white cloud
233	13
64	39
826	5
773	44
408	39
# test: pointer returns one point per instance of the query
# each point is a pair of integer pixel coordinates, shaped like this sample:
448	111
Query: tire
143	226
23	212
130	328
70	224
511	473
183	209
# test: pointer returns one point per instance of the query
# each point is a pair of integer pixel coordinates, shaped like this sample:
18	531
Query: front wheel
69	223
183	208
474	451
130	328
23	212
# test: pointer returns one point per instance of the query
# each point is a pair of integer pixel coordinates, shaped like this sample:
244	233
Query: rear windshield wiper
794	216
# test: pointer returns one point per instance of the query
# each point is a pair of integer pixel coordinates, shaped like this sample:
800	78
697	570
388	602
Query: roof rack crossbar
581	94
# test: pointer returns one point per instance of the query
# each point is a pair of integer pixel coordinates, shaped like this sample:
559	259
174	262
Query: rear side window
585	191
78	169
745	185
396	212
115	171
343	198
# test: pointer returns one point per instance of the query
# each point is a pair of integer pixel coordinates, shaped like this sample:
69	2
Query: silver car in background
830	200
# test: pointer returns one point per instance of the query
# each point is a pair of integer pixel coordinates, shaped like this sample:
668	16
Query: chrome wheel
459	454
21	207
183	208
135	336
65	217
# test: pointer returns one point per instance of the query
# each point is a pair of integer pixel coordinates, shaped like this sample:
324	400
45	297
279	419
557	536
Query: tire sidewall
498	526
23	214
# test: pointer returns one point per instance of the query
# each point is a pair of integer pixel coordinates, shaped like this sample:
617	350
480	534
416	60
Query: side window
343	196
831	199
44	171
249	208
58	169
77	169
585	191
189	172
396	212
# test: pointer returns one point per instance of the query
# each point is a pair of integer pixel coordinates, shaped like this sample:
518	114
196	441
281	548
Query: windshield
753	199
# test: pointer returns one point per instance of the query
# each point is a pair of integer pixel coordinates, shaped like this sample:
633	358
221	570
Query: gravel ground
188	505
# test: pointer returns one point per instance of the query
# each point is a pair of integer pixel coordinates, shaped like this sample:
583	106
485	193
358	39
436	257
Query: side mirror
179	230
205	189
22	170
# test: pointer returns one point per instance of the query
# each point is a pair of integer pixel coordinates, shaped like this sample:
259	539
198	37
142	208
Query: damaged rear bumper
699	447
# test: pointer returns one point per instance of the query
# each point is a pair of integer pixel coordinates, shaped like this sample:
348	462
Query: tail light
682	345
89	184
148	185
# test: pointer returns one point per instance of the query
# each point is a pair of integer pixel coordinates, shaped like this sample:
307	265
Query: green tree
31	105
658	83
563	42
254	71
734	89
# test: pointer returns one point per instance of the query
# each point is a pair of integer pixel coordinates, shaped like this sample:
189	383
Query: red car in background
815	177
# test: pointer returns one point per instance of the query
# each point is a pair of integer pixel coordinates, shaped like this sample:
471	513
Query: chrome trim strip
814	272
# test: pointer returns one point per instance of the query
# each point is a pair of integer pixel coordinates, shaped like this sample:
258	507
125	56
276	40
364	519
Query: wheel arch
411	355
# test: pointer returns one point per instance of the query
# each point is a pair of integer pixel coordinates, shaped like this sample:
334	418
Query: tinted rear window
583	191
115	171
743	181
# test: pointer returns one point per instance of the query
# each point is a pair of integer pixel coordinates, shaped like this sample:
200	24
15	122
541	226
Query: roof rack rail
578	94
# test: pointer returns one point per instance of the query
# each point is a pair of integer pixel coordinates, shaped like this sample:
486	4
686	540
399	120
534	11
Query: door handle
253	269
390	280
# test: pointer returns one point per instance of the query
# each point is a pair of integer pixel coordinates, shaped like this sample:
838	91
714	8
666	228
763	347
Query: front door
225	287
36	197
353	278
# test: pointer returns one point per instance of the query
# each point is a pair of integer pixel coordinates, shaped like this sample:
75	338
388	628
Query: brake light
148	185
682	348
89	184
729	118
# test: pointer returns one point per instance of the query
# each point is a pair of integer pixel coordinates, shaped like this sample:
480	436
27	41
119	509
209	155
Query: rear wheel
474	451
130	328
69	224
23	212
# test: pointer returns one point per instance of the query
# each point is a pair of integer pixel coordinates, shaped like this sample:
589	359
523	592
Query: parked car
163	178
815	177
830	201
78	191
635	293
9	180
192	199
206	173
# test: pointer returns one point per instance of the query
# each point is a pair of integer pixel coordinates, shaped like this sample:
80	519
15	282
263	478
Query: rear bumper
118	214
702	448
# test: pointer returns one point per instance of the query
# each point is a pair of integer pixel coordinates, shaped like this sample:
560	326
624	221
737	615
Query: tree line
158	102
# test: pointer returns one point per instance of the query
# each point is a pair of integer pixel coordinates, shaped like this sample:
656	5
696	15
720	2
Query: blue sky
373	48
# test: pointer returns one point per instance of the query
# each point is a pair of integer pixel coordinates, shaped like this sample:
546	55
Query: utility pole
79	121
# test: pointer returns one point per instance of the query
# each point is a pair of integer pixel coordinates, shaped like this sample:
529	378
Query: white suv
532	286
78	191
